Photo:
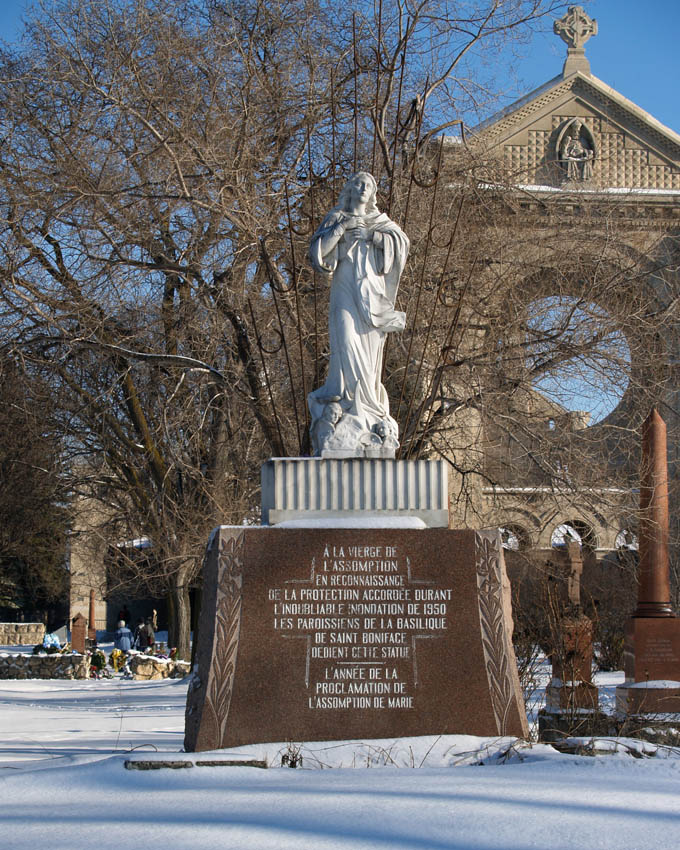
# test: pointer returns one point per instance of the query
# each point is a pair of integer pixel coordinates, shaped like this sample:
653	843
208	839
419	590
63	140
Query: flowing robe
364	286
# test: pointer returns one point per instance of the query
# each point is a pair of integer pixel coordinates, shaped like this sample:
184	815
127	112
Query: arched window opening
591	375
514	538
627	540
573	531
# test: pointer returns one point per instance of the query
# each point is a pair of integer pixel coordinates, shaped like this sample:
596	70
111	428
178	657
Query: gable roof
631	148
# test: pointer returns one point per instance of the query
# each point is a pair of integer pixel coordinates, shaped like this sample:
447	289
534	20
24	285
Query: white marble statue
365	252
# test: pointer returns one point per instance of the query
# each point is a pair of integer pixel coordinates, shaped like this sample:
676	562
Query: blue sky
635	52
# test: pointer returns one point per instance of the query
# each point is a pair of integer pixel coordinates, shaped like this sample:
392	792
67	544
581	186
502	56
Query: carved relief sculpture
576	151
212	682
364	253
495	612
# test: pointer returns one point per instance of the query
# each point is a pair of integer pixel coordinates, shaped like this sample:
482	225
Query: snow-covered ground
63	784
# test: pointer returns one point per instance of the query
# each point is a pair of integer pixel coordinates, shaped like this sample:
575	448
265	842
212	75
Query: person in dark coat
122	639
141	637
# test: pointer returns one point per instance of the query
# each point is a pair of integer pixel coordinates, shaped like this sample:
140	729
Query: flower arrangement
98	664
117	660
49	645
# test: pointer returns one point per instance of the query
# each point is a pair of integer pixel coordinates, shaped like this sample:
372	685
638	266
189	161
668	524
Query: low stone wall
21	634
146	667
55	666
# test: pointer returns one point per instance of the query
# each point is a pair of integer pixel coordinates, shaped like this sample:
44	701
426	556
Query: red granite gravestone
331	634
571	686
78	633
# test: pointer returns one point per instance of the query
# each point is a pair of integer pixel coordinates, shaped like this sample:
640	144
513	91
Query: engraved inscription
359	616
658	649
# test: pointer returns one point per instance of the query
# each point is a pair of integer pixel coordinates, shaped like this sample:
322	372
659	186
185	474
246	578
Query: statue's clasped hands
355	230
359	233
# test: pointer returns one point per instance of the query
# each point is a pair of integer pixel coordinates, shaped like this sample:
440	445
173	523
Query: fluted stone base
325	488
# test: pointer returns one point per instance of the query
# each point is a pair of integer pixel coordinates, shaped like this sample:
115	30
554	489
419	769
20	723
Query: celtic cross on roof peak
575	28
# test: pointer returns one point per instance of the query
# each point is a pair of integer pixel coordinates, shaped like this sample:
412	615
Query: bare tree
34	526
162	168
146	152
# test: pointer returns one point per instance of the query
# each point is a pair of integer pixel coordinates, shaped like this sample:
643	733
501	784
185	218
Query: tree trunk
172	619
179	620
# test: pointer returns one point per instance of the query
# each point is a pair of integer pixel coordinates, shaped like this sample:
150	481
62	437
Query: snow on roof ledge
592	190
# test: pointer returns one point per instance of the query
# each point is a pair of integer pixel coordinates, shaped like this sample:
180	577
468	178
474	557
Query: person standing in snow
122	639
141	637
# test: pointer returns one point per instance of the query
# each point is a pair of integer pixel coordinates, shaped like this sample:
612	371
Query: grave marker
78	633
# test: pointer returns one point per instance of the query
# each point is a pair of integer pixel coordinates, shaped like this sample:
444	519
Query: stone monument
571	698
652	641
324	634
571	688
92	627
353	612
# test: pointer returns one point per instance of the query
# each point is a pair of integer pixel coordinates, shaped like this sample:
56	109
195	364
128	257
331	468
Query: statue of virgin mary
364	252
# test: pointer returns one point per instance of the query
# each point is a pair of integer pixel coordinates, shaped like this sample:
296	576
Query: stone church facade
577	142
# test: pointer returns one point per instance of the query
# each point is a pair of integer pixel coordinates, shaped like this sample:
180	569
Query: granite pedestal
651	662
330	634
